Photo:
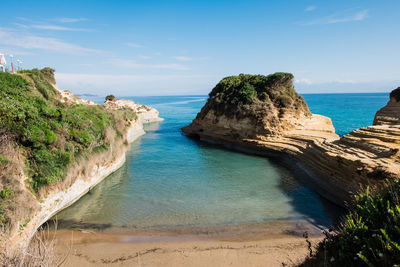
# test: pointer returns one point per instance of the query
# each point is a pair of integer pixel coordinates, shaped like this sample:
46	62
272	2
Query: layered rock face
335	167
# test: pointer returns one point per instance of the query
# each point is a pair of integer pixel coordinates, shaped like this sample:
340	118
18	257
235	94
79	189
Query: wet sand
269	244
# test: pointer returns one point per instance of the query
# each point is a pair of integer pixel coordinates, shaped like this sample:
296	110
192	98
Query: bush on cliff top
251	95
370	235
247	88
52	134
111	98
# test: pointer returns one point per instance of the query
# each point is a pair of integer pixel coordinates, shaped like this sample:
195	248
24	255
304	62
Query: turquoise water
170	180
347	111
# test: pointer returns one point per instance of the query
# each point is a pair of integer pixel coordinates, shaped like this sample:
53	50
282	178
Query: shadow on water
317	210
75	225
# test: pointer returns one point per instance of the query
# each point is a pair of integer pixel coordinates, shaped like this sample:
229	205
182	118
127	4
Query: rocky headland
264	115
54	148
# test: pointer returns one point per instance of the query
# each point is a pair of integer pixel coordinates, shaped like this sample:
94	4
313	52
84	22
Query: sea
170	180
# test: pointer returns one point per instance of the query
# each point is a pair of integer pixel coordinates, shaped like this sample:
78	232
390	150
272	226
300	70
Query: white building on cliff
3	63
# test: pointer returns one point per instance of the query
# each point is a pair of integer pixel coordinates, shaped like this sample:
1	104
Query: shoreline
250	231
231	248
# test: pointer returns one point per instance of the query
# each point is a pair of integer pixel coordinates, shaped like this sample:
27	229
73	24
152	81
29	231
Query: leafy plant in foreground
370	235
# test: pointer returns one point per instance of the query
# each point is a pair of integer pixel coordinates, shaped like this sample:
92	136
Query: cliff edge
54	148
273	120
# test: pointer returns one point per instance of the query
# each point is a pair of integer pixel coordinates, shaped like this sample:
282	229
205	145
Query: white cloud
126	63
144	57
310	8
15	52
134	45
29	41
335	18
52	27
185	58
303	81
70	20
134	85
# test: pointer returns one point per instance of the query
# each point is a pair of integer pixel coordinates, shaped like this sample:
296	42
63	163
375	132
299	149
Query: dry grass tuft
40	252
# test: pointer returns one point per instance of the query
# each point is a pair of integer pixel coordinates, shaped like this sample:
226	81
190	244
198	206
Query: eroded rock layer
335	167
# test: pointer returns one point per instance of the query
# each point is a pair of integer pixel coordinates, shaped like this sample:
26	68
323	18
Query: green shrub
111	98
370	235
244	84
246	95
3	160
51	133
6	193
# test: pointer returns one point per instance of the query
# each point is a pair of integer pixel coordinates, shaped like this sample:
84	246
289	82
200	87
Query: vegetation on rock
370	235
51	134
111	98
247	89
263	100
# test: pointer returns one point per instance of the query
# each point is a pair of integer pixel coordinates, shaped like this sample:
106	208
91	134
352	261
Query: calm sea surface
170	180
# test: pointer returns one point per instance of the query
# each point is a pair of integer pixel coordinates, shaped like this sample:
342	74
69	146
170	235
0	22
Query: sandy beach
260	245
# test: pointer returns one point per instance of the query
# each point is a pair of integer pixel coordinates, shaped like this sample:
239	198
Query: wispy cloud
16	52
310	8
134	45
29	41
144	57
303	81
51	27
133	84
70	20
185	58
126	63
340	18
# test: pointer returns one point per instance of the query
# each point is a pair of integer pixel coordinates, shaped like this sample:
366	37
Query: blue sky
186	47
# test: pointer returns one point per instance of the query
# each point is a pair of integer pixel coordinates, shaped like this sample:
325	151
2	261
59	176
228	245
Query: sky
138	48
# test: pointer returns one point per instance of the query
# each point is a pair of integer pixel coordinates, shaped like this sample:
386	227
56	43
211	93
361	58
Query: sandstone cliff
335	167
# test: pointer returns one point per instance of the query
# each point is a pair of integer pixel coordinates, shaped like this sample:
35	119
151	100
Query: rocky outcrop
145	114
389	114
335	167
69	98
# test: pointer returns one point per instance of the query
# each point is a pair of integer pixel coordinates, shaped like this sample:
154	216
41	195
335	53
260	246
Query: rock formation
145	114
273	120
389	114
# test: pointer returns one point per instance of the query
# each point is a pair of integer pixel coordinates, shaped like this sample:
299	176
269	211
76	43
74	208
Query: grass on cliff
51	134
370	235
246	88
235	92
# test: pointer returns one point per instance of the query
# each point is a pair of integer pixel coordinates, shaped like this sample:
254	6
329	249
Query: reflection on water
170	180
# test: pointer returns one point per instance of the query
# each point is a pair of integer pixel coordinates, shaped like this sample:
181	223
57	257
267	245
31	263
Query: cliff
389	114
335	167
55	147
